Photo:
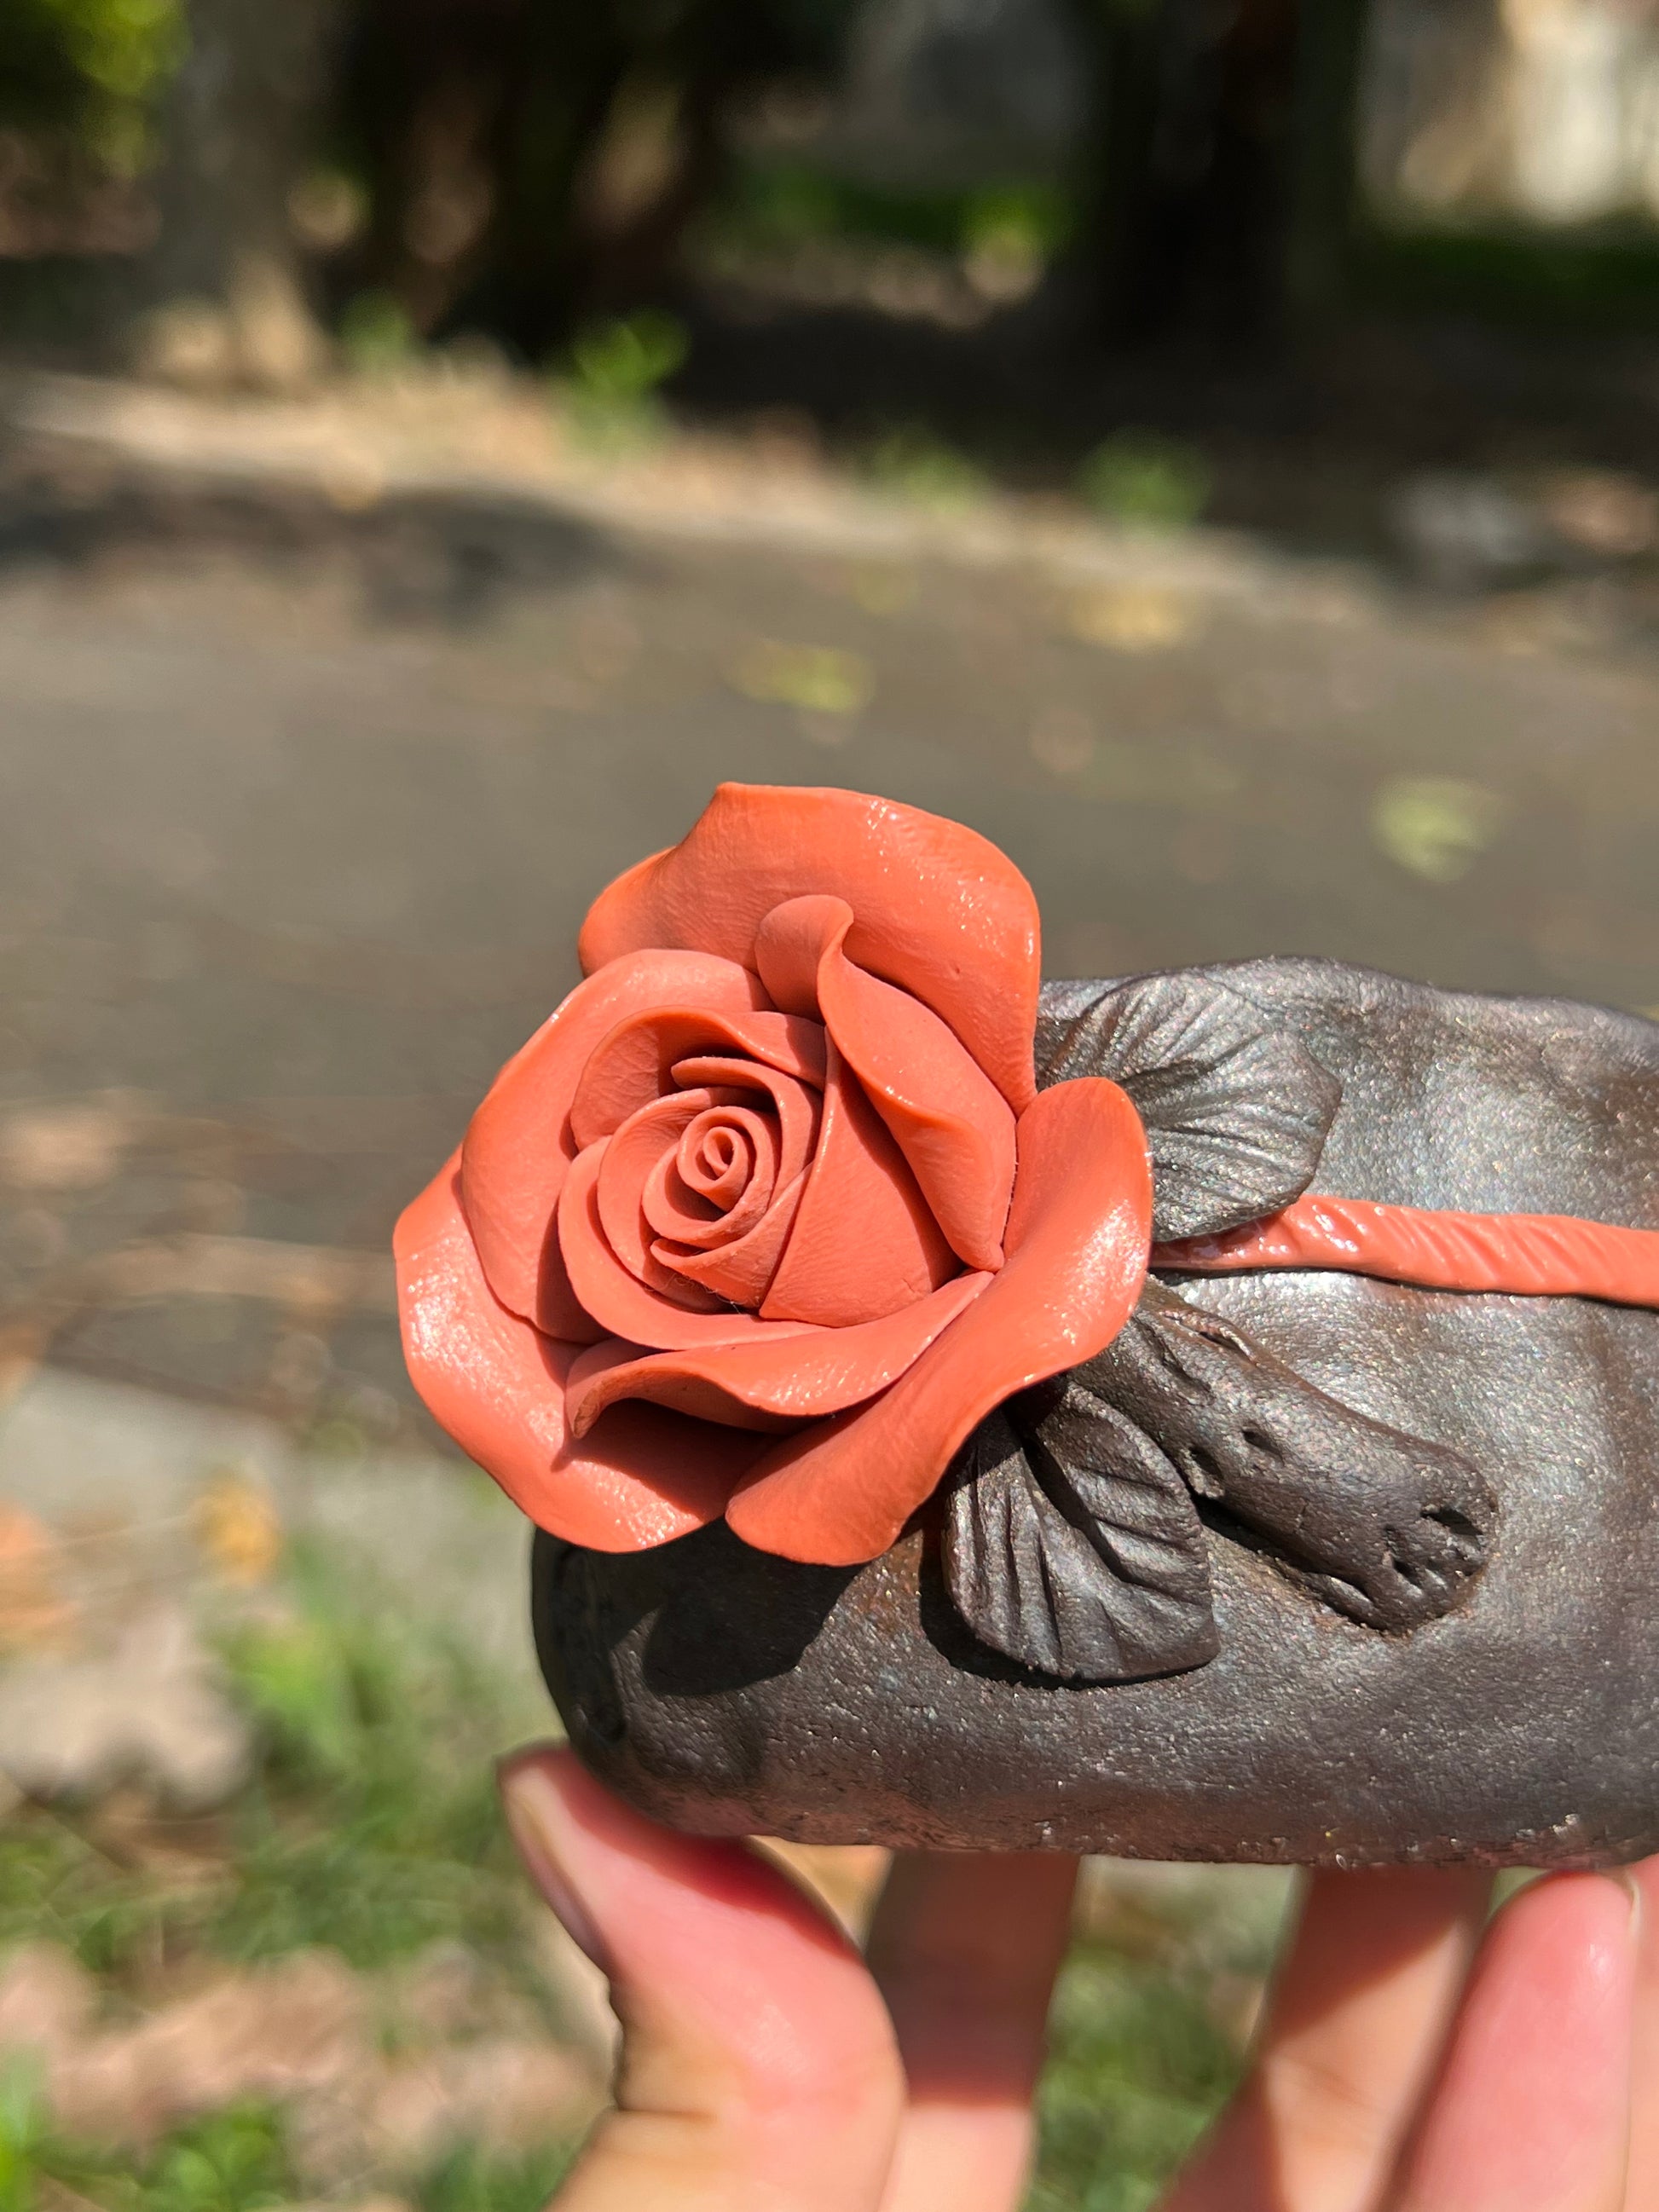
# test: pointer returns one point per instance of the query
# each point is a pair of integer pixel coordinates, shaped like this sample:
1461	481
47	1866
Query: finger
1357	2018
1642	2183
758	2067
965	1948
1532	2103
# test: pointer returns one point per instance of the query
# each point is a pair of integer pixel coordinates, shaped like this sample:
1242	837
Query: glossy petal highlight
818	1374
497	1387
937	909
636	1062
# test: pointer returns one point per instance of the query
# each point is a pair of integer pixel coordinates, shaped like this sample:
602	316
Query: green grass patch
1145	482
474	2180
370	1826
1137	2066
1600	276
236	2161
609	388
911	462
782	204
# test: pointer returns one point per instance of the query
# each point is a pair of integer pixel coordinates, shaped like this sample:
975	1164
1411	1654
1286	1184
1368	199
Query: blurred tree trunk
1324	155
475	120
1223	164
226	295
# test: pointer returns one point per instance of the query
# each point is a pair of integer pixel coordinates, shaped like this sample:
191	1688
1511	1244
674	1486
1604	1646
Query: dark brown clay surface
727	1690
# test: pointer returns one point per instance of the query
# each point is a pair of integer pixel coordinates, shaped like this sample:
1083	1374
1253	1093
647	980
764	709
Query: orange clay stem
1524	1255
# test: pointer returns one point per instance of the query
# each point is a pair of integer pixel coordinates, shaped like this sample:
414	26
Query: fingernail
539	1822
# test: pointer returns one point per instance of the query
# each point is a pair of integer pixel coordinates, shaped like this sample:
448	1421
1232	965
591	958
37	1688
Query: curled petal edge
634	1062
817	1375
642	1477
953	1126
938	910
517	1151
1079	1232
619	1303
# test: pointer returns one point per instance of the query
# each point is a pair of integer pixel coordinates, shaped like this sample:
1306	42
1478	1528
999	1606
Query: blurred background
1210	445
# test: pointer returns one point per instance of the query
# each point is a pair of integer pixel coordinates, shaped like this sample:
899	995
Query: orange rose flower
770	1213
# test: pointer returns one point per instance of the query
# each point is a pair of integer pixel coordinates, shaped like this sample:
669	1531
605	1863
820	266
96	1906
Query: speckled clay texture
728	1691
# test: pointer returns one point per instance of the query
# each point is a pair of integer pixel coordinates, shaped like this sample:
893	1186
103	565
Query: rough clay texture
729	1691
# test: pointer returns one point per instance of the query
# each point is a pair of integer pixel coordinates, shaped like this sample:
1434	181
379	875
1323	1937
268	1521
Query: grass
472	2180
608	392
1138	2065
785	203
369	1827
235	2161
1147	482
372	1827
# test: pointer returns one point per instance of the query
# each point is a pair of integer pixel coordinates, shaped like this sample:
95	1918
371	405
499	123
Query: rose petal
796	1103
939	911
1078	1233
497	1386
635	1063
952	1123
647	1140
741	1270
726	1150
519	1145
613	1356
619	1301
864	1244
673	1210
821	1373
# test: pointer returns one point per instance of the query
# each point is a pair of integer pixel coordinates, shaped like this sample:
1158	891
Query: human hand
1413	2058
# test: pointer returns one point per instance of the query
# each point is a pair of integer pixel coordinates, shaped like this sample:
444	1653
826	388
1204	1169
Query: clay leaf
1073	1544
1237	1108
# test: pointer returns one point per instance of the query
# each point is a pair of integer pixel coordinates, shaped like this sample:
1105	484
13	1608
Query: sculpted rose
770	1213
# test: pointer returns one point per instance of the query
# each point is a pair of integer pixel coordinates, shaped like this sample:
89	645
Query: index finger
965	1947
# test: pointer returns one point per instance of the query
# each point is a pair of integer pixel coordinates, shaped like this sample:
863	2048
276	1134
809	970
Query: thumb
758	2069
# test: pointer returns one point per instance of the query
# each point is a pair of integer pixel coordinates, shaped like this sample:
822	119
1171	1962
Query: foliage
370	1825
1596	276
22	2136
785	203
915	463
376	333
610	391
473	2180
57	1886
89	67
1145	481
1137	2066
231	2161
234	2160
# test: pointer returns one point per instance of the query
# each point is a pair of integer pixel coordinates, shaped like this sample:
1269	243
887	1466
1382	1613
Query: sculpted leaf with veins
805	1204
